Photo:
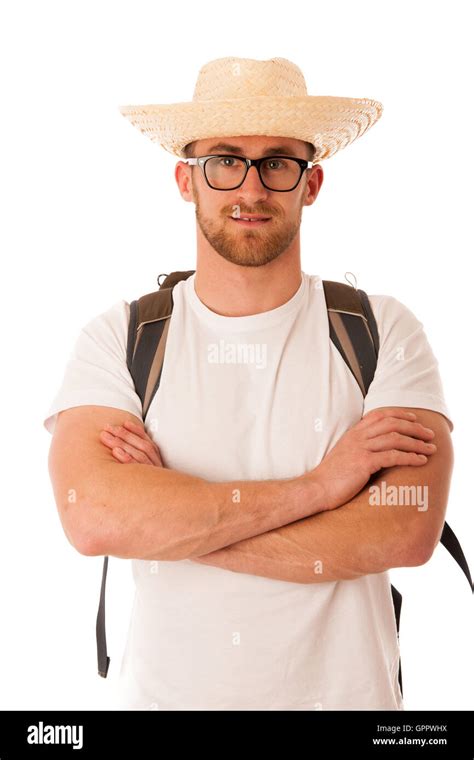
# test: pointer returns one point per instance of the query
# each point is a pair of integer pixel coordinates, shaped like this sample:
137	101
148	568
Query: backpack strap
397	608
103	661
147	333
353	330
451	543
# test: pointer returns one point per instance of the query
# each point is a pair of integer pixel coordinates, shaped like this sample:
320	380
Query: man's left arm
396	520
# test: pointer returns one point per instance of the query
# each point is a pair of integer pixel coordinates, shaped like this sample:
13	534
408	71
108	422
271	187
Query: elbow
94	530
397	554
420	552
86	542
89	543
419	556
93	535
87	548
85	533
421	548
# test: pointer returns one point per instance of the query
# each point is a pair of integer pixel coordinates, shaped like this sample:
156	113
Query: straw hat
244	96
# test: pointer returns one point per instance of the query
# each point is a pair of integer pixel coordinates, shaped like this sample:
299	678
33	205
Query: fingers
393	437
137	444
140	430
121	455
400	442
135	427
138	441
398	426
123	451
376	415
393	457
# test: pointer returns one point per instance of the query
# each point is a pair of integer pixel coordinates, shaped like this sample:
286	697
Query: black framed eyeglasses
280	174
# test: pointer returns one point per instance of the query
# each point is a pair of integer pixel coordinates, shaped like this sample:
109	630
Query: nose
252	188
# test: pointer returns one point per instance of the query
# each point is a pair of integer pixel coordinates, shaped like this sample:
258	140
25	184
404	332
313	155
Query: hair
312	151
188	150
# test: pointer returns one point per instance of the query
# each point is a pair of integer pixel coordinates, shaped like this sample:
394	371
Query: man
260	563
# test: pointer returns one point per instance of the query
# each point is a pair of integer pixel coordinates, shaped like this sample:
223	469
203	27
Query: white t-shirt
205	638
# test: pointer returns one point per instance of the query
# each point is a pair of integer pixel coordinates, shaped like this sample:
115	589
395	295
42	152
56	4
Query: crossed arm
362	536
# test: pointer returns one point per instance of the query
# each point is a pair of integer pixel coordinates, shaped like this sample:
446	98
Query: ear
183	174
313	184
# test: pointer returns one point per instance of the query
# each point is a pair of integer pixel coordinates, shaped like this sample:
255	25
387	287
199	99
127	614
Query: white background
91	214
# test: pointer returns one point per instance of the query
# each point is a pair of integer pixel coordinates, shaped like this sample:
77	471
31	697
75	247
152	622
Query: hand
383	438
131	443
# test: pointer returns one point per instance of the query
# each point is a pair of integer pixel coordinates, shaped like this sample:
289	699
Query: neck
237	291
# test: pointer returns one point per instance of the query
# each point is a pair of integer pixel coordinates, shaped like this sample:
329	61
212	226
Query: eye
231	161
272	164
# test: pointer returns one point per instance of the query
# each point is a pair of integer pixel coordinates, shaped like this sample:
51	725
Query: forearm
143	512
356	539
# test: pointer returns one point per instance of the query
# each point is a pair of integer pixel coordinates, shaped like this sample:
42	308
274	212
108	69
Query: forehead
251	146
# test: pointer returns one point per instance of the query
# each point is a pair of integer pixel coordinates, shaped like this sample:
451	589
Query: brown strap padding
351	332
152	314
171	279
342	297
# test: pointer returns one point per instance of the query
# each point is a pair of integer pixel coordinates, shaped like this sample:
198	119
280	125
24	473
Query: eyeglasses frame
202	160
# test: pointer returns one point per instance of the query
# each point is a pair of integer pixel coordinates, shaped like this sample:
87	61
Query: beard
246	247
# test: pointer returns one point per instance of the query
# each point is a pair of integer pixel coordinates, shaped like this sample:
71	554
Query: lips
251	220
253	217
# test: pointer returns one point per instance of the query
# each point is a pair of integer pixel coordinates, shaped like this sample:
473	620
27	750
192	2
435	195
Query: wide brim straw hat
243	96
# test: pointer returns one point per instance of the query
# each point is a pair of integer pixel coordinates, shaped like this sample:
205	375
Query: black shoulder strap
147	333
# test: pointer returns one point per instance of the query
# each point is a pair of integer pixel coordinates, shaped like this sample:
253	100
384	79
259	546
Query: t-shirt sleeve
96	372
407	371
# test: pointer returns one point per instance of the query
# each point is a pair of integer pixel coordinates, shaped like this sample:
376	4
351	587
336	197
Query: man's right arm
142	512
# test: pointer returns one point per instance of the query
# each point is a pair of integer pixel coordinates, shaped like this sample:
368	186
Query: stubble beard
246	247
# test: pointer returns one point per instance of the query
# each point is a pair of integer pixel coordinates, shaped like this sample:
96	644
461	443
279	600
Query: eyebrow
278	150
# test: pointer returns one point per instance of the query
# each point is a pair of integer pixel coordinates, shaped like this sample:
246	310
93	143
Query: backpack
352	329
